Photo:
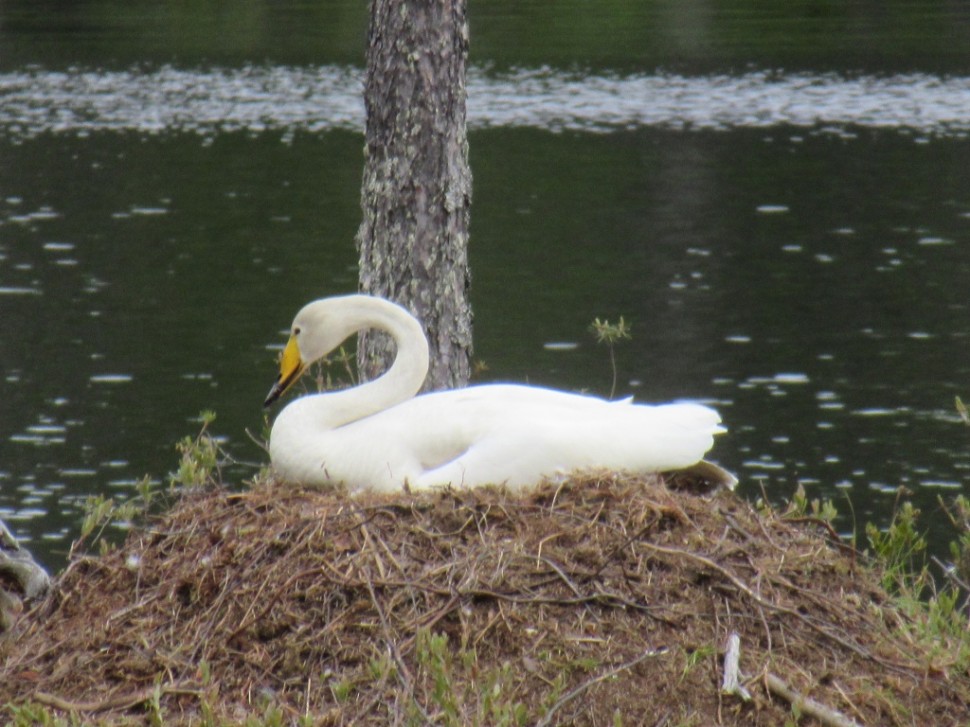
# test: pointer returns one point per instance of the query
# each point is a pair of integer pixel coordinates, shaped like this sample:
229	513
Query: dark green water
618	35
809	278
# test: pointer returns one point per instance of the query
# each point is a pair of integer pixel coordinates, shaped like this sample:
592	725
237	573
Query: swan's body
381	436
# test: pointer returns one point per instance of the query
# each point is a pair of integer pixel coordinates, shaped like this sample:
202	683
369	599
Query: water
318	99
790	246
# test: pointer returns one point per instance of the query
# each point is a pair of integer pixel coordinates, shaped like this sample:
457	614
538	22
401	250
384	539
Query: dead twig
730	684
121	702
806	705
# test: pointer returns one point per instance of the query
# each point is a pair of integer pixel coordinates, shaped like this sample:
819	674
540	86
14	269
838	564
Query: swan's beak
291	367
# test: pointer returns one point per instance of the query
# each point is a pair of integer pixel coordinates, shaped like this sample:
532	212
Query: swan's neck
400	382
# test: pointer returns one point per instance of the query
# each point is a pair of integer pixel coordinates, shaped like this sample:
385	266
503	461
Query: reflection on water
257	99
809	282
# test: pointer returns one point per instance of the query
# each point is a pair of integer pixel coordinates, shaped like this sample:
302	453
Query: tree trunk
416	190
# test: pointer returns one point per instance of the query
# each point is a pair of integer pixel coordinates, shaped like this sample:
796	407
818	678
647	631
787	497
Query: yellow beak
291	367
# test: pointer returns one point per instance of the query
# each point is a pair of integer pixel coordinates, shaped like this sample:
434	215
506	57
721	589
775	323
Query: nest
598	600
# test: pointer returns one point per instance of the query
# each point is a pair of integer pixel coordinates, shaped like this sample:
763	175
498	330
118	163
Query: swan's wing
516	435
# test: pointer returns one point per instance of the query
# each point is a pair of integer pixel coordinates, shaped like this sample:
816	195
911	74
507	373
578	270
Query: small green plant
824	510
900	549
36	715
958	511
434	659
381	667
199	457
611	334
342	690
936	618
695	657
962	411
154	707
800	506
557	688
100	512
460	692
273	716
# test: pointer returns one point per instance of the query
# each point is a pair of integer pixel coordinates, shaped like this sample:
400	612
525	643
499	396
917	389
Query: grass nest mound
598	601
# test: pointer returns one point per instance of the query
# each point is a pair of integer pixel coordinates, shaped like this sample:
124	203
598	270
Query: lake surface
785	221
328	98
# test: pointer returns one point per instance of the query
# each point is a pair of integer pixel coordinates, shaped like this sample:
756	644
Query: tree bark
416	189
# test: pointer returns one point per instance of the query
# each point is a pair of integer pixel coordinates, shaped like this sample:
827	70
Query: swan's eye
296	331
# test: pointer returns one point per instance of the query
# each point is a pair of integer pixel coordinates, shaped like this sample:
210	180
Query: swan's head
316	331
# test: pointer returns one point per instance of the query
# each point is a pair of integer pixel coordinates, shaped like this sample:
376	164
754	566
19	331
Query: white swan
381	436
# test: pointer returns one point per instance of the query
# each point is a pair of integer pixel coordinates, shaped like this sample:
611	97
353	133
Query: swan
382	436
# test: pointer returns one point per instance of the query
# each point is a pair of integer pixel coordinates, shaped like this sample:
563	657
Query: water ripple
289	99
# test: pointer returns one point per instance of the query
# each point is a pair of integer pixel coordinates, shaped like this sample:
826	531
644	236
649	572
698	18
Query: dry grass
603	600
